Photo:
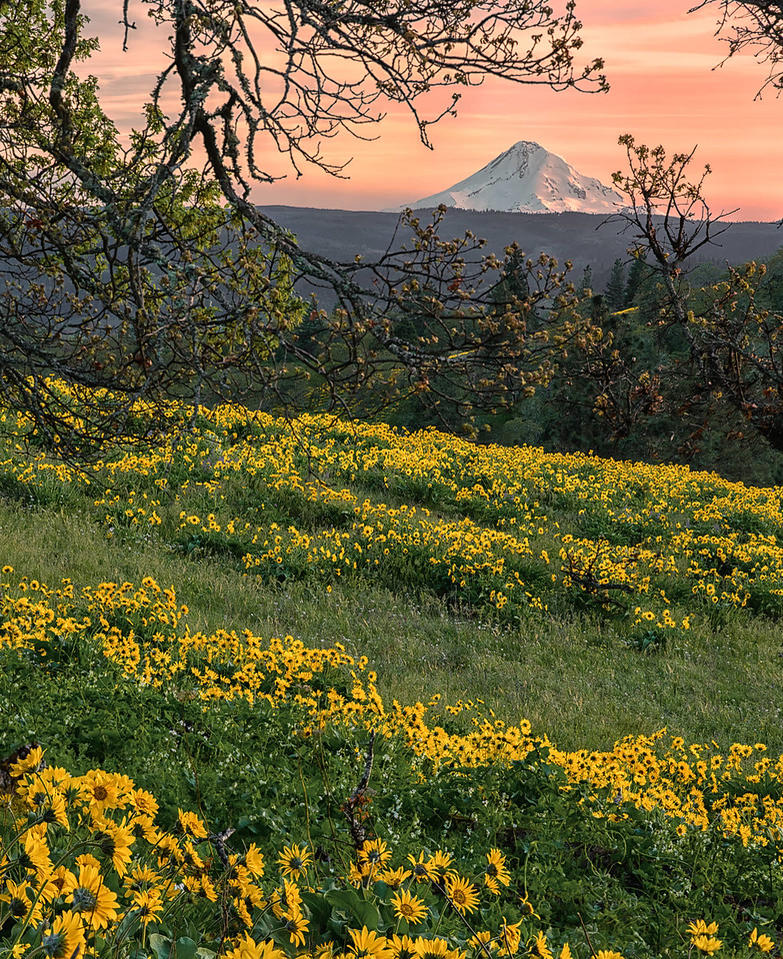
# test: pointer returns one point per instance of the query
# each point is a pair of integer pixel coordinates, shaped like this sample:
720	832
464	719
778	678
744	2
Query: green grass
629	880
574	678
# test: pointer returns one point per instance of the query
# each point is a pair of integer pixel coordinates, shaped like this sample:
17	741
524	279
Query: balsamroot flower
368	945
408	907
65	938
463	894
293	861
90	897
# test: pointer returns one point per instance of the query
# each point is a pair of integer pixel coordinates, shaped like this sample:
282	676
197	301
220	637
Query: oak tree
731	339
136	262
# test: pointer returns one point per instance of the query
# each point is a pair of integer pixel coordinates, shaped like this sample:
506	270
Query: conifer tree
614	295
638	273
587	280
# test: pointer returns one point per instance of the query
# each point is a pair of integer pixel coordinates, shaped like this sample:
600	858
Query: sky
666	87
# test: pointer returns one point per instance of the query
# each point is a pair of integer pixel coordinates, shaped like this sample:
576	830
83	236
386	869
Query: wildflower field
313	688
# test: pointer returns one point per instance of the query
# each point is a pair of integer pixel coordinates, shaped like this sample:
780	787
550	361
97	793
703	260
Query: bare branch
129	269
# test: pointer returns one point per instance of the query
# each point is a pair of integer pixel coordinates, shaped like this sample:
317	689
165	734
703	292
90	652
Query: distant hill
579	237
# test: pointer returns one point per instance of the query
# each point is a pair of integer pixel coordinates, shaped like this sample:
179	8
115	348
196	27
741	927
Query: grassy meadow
330	689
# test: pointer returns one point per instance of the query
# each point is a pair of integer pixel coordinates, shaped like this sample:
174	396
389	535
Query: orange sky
660	62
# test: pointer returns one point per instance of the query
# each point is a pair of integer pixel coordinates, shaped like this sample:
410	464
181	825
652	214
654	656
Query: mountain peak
527	178
528	146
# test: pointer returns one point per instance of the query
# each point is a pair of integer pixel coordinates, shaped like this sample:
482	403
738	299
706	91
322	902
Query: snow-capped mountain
527	179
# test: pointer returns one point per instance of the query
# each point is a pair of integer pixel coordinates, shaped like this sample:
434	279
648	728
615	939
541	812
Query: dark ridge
579	237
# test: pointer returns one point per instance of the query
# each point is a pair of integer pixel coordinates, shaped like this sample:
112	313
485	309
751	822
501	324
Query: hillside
579	237
514	628
504	543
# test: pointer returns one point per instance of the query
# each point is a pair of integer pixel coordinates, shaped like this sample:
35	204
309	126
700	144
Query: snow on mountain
527	179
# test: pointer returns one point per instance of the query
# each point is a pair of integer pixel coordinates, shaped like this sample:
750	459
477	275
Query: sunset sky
665	88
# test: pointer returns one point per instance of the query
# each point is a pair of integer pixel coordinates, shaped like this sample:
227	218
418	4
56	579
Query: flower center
52	943
18	908
107	844
84	900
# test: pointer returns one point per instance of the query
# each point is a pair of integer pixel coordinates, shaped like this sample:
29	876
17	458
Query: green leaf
160	945
346	900
367	913
186	948
381	890
319	907
349	902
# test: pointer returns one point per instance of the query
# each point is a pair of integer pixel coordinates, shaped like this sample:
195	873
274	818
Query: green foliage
631	882
615	288
639	278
